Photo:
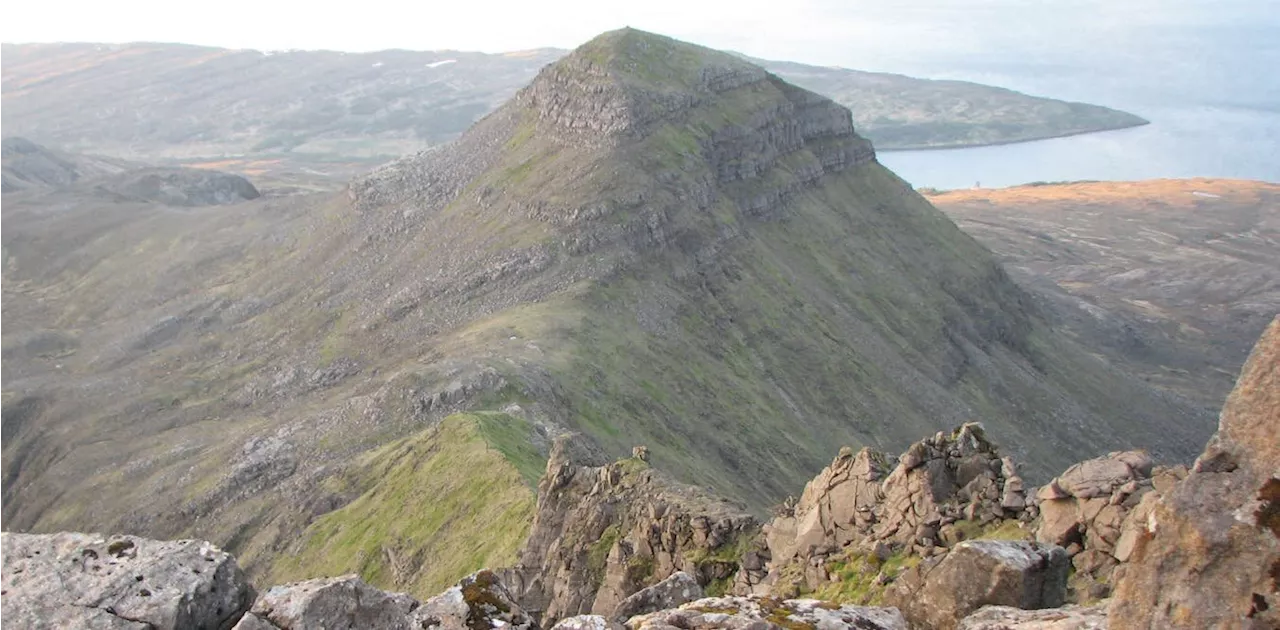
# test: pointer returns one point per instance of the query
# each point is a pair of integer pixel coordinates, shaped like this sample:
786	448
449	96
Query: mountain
335	113
653	243
1173	279
26	164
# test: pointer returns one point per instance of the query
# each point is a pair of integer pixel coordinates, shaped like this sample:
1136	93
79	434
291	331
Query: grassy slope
439	505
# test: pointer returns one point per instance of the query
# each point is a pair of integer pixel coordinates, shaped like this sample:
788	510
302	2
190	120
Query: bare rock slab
73	580
679	588
977	573
329	603
767	613
1065	618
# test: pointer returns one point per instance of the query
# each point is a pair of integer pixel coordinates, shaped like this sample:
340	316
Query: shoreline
999	143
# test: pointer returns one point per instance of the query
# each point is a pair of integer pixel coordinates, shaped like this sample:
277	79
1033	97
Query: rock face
1065	618
766	613
1209	555
343	602
602	533
938	593
182	186
937	483
70	580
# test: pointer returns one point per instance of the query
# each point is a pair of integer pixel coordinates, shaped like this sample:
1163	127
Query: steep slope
1173	279
329	111
653	243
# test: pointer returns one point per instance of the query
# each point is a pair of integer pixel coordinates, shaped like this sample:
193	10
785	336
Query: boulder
767	613
677	589
938	593
1208	553
1065	618
341	602
478	602
72	580
587	622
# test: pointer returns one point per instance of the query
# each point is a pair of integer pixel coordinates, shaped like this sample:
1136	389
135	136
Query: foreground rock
71	580
678	589
478	602
1065	618
346	602
766	613
1090	509
604	532
1209	556
941	488
938	593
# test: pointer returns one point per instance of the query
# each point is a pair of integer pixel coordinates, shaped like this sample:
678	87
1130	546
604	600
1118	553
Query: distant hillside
652	243
328	111
1174	279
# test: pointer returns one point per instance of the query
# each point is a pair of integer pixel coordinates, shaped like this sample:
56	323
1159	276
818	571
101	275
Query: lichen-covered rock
679	588
767	613
938	593
477	602
587	622
1209	554
330	603
604	532
70	580
1064	618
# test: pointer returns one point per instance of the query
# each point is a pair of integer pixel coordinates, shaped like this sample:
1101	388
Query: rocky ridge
602	533
1199	539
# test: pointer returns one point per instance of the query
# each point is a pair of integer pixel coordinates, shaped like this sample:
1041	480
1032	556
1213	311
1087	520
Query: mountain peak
626	78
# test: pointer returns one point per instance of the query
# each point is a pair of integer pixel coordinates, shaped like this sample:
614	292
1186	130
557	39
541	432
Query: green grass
854	577
439	505
598	553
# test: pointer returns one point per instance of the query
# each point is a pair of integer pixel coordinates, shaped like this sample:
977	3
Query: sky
879	34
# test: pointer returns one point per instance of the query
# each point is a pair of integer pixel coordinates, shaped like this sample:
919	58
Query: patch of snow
437	64
377	64
1206	195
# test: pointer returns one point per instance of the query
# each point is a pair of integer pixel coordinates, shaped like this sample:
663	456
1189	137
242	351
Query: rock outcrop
478	602
941	489
71	580
1209	554
939	592
602	533
678	589
343	602
1087	510
174	186
767	613
1064	618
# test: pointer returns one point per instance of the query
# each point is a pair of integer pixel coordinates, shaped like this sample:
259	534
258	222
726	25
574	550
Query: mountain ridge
735	283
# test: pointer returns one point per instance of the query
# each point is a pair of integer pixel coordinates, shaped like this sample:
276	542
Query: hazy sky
856	33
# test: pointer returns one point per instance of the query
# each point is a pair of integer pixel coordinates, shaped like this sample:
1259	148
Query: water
1206	74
